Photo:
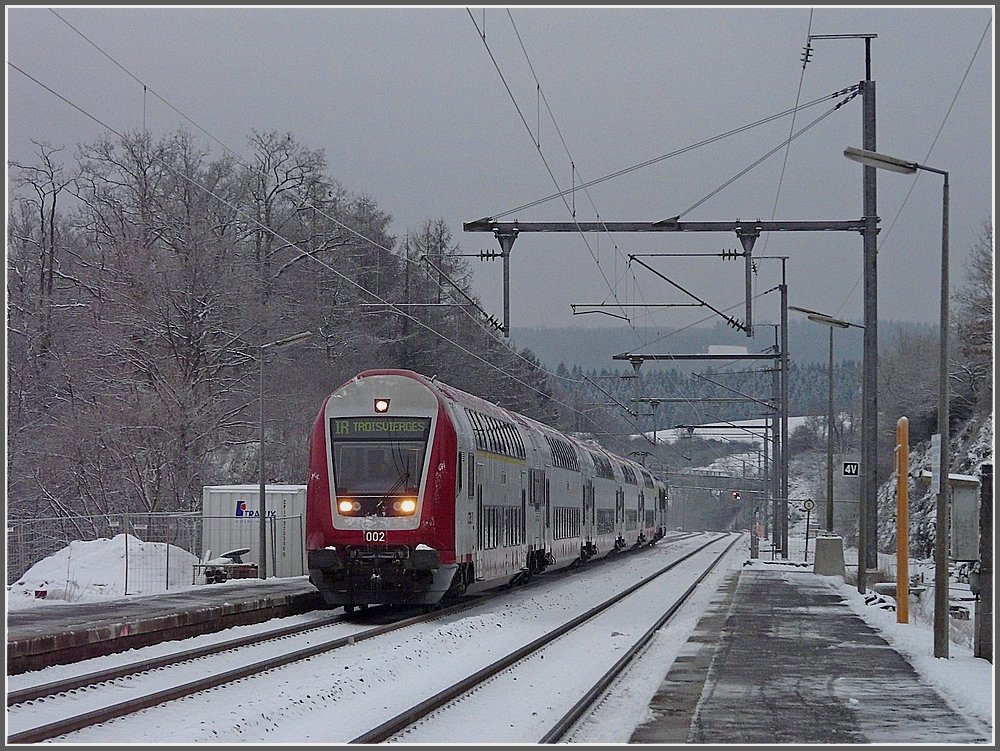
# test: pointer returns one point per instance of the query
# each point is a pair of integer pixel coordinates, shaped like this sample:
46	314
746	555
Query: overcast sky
414	109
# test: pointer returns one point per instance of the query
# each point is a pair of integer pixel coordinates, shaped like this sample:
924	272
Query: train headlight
381	406
347	506
405	506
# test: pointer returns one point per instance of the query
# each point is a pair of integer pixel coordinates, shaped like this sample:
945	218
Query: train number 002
374	536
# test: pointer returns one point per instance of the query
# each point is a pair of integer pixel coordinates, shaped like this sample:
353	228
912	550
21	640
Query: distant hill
594	348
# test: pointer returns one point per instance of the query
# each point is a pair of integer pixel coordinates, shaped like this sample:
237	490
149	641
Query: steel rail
31	693
402	720
581	708
122	709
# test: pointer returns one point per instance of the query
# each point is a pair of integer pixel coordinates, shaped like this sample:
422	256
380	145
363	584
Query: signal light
736	495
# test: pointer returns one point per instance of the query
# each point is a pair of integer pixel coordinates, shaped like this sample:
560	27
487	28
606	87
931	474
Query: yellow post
902	521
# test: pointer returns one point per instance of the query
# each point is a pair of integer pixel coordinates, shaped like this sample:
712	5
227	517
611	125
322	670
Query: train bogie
419	492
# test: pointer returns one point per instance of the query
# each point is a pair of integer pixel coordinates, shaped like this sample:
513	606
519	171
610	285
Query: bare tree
973	371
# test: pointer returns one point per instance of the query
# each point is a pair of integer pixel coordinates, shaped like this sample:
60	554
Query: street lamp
262	501
833	323
881	161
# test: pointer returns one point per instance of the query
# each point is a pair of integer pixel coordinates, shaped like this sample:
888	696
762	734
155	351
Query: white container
231	518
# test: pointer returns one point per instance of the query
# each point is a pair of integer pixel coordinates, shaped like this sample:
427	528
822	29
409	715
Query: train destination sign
379	428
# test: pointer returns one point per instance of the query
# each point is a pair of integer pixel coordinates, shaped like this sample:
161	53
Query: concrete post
983	637
902	520
829	558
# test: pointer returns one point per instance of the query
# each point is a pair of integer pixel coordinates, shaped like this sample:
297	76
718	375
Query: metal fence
76	558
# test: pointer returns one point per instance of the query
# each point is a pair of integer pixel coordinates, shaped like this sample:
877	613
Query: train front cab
381	495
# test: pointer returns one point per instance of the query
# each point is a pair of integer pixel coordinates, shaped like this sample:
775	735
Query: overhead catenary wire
676	152
573	168
854	93
537	144
279	236
851	92
240	160
536	140
884	236
791	129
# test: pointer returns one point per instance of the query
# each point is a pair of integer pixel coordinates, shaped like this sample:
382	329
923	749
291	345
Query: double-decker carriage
419	492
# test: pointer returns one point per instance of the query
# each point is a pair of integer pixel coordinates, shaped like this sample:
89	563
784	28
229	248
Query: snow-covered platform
782	657
60	633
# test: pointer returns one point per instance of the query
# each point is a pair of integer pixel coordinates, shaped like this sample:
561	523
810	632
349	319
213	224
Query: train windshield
376	460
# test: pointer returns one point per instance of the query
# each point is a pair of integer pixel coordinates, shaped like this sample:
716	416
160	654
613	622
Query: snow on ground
96	570
965	681
736	430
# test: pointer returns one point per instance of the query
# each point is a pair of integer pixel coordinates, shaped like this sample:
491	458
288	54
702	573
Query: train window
631	519
488	435
563	454
495	436
602	466
477	428
460	471
472	473
567	523
629	475
605	521
518	443
376	461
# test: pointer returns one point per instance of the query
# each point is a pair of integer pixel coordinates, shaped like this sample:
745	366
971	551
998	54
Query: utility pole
868	526
764	485
868	500
776	494
983	633
784	413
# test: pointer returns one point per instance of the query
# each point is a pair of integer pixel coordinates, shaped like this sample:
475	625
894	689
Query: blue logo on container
243	512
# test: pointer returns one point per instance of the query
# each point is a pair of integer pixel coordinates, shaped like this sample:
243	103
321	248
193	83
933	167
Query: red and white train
419	492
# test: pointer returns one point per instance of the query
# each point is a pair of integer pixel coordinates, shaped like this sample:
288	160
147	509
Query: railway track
149	682
397	728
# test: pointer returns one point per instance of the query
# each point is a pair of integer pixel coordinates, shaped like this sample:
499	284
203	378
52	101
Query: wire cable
252	220
913	183
561	193
307	203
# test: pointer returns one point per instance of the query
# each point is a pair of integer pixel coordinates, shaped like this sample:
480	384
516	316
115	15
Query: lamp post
881	161
262	500
833	323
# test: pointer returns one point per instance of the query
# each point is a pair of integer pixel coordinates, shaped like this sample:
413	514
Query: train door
536	508
587	532
483	558
548	511
536	514
642	516
620	519
661	498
